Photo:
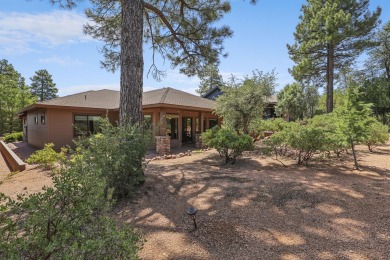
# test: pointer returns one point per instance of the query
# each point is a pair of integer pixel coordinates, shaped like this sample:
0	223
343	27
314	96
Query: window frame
176	117
87	123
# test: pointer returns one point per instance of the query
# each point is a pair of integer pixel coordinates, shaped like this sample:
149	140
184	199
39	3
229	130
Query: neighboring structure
269	111
177	117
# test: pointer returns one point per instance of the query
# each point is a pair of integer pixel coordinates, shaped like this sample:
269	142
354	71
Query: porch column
207	123
193	128
163	123
180	127
201	122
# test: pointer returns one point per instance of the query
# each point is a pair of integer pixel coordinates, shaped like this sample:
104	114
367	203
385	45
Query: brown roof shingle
109	99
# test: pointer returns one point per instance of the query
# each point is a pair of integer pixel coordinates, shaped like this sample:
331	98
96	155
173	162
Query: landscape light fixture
191	211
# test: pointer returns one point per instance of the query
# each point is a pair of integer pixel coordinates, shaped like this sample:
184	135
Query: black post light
191	211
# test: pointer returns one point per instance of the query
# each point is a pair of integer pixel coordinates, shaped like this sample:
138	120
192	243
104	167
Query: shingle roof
109	99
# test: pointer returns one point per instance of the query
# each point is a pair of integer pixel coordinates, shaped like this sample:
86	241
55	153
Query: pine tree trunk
329	79
132	63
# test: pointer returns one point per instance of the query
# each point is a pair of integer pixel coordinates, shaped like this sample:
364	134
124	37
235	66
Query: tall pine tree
15	94
329	37
181	31
209	78
42	85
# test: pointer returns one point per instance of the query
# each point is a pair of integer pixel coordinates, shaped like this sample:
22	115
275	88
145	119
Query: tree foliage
209	78
329	37
244	100
377	134
71	220
297	101
227	142
377	75
15	94
356	118
42	85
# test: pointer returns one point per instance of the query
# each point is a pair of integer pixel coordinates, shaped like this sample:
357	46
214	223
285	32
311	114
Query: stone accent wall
163	144
198	140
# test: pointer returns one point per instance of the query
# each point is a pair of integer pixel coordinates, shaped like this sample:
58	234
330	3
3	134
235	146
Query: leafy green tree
42	85
339	99
329	37
14	96
244	100
377	74
181	31
291	101
209	78
375	91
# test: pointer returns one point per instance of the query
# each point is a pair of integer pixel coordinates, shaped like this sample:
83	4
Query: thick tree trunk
329	79
132	64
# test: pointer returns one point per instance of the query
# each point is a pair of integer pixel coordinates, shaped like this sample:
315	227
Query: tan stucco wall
59	124
37	133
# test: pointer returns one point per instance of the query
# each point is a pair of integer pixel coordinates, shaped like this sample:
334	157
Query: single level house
177	117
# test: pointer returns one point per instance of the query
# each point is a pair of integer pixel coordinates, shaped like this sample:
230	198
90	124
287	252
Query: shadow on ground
258	209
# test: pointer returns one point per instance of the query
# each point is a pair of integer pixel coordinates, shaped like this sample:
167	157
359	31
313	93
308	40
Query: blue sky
35	35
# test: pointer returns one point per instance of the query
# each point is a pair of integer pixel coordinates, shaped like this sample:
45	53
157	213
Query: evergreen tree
329	37
377	74
15	94
42	85
209	78
355	118
181	31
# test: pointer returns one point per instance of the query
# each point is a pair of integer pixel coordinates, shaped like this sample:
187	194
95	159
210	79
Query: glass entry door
187	130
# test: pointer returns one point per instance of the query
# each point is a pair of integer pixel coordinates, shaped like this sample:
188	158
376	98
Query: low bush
377	134
47	157
67	221
17	136
227	142
117	154
71	220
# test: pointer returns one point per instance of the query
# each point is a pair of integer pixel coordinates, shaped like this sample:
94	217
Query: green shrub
227	142
67	221
117	155
334	137
47	157
377	134
17	136
307	140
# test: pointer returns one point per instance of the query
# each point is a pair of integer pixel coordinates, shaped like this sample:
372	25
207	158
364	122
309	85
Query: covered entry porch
175	126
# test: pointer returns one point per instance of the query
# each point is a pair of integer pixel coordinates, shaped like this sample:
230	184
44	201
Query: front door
187	130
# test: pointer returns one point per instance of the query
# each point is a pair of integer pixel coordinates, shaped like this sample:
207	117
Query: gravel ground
256	209
30	180
259	209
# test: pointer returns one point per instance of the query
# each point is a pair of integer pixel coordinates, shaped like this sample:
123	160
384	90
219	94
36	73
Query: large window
86	125
172	126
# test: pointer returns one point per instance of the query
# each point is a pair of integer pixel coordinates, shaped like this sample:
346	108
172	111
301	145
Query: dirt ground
258	208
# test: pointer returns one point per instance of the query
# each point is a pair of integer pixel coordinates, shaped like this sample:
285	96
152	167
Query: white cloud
19	31
63	61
